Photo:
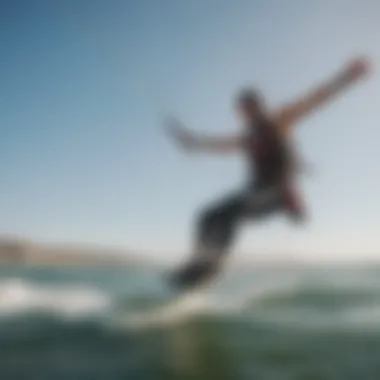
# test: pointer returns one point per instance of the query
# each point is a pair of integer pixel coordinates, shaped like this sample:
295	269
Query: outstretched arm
321	95
193	142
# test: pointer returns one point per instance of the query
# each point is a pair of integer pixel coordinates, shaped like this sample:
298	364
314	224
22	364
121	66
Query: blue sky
83	85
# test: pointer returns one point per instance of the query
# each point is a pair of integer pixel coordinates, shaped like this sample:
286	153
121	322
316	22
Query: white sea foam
18	296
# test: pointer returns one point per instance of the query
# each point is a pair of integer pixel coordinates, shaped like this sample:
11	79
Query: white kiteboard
177	309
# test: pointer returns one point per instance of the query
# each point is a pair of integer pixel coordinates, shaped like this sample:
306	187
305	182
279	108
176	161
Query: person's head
250	105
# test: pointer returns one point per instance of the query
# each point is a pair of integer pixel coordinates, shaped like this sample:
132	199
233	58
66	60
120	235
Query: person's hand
357	68
183	137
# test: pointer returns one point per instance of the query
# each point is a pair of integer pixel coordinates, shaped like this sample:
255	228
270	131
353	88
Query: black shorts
258	202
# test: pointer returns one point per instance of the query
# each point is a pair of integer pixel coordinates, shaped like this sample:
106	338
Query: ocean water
303	323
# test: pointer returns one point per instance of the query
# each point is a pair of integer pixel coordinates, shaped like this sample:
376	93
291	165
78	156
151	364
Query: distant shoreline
23	251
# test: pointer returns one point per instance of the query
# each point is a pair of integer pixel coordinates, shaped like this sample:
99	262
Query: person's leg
216	225
215	230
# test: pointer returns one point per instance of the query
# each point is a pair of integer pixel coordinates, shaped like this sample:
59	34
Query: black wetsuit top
269	157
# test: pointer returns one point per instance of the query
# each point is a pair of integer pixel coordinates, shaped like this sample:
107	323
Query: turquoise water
271	323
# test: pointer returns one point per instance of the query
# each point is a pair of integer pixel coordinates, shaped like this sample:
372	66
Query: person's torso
269	157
